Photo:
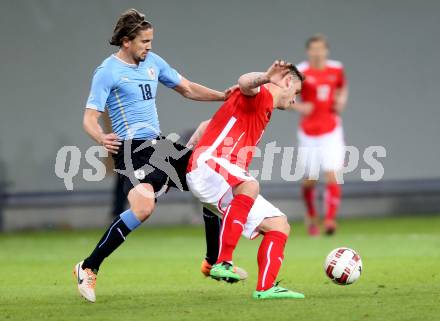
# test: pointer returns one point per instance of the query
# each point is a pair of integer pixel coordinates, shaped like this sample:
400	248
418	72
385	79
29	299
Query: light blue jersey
128	92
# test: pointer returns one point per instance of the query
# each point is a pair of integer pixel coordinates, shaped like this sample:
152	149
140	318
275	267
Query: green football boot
277	292
224	272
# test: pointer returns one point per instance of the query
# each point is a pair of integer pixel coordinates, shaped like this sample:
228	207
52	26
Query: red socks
309	200
233	224
332	200
271	251
270	257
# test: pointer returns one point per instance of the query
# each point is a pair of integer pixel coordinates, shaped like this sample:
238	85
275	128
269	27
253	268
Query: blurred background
50	49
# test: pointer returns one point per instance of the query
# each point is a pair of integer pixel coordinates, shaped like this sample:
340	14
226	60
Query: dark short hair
128	25
317	38
297	74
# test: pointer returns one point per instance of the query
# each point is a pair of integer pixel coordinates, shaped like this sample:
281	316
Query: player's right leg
270	256
332	201
141	199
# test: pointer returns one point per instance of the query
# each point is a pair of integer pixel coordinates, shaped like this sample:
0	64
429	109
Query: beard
140	58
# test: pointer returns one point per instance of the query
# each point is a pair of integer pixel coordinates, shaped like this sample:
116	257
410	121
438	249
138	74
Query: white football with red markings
343	266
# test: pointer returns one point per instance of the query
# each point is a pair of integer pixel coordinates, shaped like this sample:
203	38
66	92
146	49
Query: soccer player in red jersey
217	174
320	136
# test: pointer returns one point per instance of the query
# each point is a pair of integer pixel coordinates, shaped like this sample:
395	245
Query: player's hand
111	142
277	71
304	109
228	92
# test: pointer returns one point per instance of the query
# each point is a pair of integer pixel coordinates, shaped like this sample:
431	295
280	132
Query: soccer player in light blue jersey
125	85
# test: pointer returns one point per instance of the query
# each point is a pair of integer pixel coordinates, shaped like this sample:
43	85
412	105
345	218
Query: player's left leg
142	203
233	223
275	232
309	163
213	182
333	154
332	200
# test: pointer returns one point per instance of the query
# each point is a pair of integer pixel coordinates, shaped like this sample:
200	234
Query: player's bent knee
278	223
142	207
142	201
283	225
309	182
249	188
143	213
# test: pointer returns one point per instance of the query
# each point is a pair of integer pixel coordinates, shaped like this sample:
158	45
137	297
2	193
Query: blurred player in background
218	175
125	84
320	136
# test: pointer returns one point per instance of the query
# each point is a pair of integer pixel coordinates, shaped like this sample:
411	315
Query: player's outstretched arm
93	129
194	91
250	82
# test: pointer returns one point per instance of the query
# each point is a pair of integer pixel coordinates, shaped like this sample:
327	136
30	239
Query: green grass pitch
155	276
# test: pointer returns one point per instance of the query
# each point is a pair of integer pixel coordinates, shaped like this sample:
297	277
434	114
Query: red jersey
236	128
319	89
